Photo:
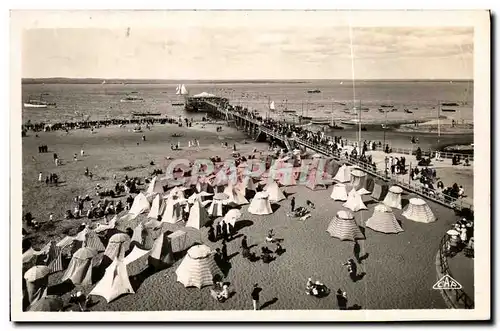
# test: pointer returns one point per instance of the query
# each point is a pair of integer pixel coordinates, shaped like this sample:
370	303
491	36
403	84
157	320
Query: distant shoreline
113	81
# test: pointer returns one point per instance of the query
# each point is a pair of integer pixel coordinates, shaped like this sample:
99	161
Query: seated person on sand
315	288
220	295
270	236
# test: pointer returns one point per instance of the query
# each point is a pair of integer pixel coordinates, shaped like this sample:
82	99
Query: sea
335	99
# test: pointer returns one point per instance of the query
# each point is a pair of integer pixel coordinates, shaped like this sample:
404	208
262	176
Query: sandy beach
399	267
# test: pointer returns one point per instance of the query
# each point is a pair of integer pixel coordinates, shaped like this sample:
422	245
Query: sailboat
286	110
180	90
271	106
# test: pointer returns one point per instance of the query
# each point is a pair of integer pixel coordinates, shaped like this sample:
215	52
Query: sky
249	51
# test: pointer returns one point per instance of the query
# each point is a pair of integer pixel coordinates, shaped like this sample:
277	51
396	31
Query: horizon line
304	80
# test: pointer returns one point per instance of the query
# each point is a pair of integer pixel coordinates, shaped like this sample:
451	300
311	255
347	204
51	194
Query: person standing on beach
255	296
357	251
292	204
341	299
244	243
218	231
40	176
224	251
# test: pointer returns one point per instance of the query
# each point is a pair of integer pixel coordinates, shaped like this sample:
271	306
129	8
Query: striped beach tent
343	226
383	220
118	244
198	268
419	211
88	238
393	197
37	279
54	258
79	270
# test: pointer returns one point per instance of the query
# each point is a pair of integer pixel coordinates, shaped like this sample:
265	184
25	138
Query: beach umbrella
37	272
48	303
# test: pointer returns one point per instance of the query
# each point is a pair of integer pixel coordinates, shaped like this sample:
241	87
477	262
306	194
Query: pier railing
400	180
456	297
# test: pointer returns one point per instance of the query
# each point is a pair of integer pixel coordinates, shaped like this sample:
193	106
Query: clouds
248	52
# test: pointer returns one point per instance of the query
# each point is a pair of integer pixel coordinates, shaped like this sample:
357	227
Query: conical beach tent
358	178
114	283
369	183
143	237
235	196
339	192
354	201
88	238
173	209
157	207
247	183
344	227
79	270
260	204
419	211
393	197
37	279
117	246
198	216
215	208
274	192
155	186
383	220
140	205
161	254
343	174
379	191
198	268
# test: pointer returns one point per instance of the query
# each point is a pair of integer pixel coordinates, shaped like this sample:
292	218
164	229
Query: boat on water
181	90
40	103
305	117
448	110
394	109
131	98
146	114
335	126
289	111
450	104
408	111
314	91
386	106
177	103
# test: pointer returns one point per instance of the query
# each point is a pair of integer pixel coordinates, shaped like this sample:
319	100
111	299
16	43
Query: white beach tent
198	268
246	183
215	208
343	174
114	283
118	244
139	206
199	197
155	186
157	207
358	178
235	196
393	197
419	211
173	209
260	204
344	227
274	192
198	216
354	201
339	192
383	220
79	270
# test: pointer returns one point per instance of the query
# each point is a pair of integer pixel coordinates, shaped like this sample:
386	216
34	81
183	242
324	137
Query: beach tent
201	196
215	208
317	180
114	283
285	176
393	197
178	241
103	227
419	211
358	178
332	167
54	257
246	183
231	217
343	174
383	220
260	204
339	192
157	207
379	191
173	209
155	186
135	255
79	270
274	192
88	238
354	201
343	226
203	184
47	303
177	192
143	237
140	204
235	196
369	183
198	216
29	255
117	246
198	268
37	279
161	254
